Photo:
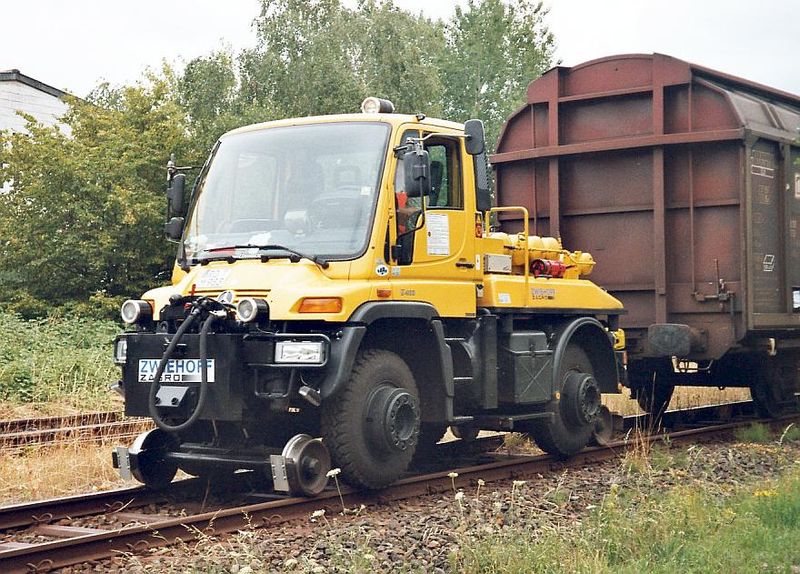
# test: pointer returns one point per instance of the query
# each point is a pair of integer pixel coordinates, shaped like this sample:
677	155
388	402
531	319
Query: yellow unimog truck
340	299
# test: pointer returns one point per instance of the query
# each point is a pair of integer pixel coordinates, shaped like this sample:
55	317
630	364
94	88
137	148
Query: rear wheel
574	414
372	426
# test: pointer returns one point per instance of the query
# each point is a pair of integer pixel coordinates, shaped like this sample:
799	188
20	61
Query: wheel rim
581	398
391	419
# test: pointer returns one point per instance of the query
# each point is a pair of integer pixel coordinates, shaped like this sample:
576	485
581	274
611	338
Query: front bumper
244	370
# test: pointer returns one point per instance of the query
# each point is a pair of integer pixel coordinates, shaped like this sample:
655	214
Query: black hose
155	385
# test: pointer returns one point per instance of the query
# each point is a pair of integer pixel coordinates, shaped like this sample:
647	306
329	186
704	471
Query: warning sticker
438	226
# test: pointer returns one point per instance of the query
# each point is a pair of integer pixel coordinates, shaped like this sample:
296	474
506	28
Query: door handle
465	264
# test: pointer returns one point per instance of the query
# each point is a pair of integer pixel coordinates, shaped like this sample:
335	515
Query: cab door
440	264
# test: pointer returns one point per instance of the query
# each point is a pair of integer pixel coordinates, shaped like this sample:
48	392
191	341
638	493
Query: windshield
308	188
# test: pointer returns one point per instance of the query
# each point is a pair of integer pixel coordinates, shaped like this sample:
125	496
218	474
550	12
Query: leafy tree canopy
82	222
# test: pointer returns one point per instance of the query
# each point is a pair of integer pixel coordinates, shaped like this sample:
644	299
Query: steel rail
97	544
43	423
80	433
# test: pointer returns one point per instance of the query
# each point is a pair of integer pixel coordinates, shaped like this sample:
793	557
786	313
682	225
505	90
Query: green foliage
81	227
756	432
494	50
65	361
85	210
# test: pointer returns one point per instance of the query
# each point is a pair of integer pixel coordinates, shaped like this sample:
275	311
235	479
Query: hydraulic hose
156	384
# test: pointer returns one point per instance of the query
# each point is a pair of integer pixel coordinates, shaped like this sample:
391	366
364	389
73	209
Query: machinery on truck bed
684	183
337	278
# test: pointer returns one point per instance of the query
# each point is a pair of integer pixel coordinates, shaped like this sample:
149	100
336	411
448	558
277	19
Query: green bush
58	359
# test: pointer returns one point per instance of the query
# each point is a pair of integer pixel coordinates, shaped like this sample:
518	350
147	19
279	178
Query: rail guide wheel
302	468
147	459
603	427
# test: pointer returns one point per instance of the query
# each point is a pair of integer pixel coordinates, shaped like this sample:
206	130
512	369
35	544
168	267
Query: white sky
74	45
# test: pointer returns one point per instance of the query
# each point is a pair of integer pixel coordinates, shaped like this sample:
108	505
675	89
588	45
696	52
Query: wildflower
769	492
452	475
518	483
333	472
460	495
481	482
318	513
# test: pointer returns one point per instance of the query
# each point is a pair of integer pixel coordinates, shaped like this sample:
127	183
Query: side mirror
175	195
174	228
476	138
417	168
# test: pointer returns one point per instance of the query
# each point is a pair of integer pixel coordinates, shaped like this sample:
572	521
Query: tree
83	216
494	50
208	93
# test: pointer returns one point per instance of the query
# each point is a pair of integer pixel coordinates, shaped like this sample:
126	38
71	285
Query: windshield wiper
294	256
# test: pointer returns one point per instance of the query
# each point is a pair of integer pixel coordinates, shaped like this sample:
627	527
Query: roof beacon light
372	105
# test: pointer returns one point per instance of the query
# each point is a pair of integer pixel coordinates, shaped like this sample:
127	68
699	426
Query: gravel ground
424	535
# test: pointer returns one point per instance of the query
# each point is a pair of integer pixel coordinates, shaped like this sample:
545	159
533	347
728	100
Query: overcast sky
75	45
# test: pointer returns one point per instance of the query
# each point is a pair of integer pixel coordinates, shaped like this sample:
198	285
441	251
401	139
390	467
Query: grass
755	529
72	467
56	365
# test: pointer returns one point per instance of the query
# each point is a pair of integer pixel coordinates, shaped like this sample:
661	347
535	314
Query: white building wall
15	95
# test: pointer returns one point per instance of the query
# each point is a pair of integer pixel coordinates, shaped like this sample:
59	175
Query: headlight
308	352
250	309
134	310
121	351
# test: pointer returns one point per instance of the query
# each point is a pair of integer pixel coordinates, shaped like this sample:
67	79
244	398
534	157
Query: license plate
176	370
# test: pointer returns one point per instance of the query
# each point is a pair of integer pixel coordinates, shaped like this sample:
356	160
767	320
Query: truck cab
339	277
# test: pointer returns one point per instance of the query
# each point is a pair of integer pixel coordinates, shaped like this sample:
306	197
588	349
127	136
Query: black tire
564	435
774	385
371	427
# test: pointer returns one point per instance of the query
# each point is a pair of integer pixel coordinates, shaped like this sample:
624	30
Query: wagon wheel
774	385
372	426
654	398
575	412
651	386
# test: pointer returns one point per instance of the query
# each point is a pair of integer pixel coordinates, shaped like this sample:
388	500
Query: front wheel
372	426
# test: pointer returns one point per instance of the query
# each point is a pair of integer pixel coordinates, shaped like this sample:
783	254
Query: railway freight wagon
684	183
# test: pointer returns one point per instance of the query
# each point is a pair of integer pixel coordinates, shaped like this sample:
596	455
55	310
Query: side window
445	174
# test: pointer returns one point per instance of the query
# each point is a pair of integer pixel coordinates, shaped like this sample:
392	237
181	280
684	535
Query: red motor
547	268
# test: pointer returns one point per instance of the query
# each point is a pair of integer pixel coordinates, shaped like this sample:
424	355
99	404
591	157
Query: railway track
44	535
86	427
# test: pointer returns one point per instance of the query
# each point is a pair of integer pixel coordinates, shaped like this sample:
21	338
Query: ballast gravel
424	534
